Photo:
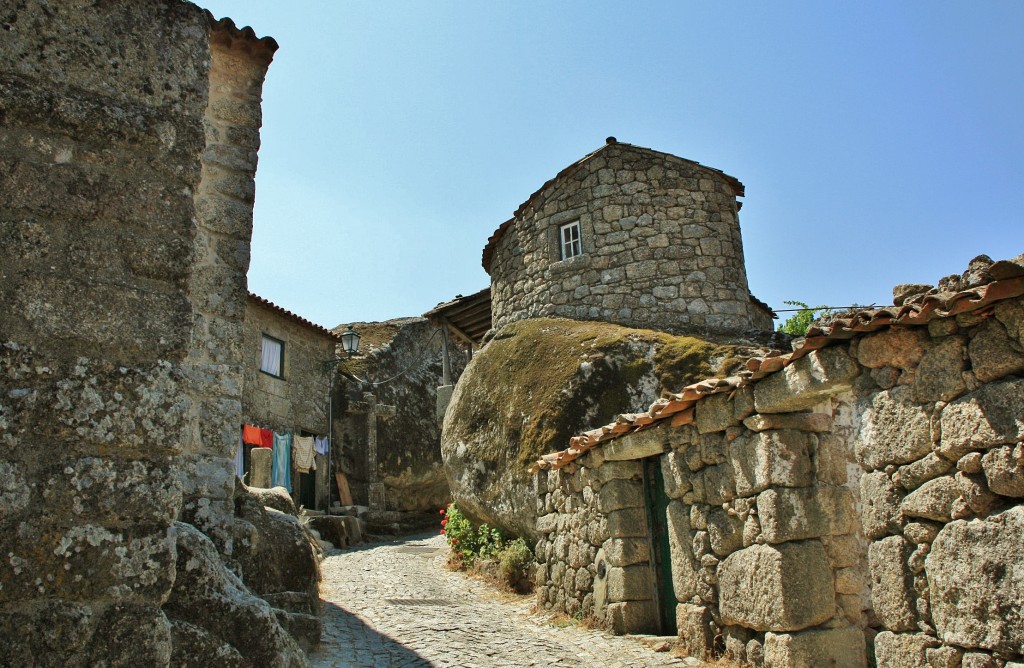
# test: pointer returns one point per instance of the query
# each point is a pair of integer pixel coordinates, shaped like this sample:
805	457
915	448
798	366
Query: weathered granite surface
128	139
406	354
540	381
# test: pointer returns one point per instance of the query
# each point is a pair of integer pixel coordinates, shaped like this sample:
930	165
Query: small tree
799	322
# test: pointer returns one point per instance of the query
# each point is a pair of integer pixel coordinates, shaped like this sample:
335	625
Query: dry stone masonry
660	247
861	503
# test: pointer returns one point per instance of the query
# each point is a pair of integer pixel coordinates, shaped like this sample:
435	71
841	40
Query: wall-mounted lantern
350	341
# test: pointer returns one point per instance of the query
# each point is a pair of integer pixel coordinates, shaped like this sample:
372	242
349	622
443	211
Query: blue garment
281	471
321	445
240	459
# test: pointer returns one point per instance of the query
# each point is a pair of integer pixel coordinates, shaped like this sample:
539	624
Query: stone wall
128	137
660	239
862	502
223	200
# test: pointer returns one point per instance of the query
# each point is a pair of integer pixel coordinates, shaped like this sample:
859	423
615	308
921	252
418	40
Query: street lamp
350	341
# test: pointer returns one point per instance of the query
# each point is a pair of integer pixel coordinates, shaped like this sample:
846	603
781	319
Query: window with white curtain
272	359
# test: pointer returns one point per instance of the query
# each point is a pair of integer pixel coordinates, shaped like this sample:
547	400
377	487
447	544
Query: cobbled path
395	604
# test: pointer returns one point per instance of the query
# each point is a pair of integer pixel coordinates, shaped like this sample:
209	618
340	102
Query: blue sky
879	142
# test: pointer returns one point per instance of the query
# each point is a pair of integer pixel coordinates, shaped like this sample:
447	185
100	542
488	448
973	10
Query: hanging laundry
251	434
266	438
281	470
322	445
303	454
240	458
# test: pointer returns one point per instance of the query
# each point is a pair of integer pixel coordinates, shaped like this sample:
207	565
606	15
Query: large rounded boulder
539	382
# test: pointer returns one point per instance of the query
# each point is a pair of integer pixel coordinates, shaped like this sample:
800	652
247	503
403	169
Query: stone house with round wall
627	235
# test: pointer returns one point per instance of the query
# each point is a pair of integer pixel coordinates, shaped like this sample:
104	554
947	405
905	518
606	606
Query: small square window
272	358
569	237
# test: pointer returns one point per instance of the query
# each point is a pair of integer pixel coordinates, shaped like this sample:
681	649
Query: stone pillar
261	462
223	201
373	411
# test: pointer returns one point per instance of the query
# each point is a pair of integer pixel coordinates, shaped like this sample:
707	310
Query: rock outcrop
404	357
540	381
217	618
128	142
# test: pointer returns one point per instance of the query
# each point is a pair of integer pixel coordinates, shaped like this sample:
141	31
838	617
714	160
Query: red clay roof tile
680	407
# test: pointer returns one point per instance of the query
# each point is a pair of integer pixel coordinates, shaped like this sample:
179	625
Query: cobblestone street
394	604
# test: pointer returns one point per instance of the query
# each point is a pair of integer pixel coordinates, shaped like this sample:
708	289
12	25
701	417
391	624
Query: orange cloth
251	435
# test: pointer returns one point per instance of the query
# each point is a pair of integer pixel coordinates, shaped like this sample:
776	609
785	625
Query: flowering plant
461	537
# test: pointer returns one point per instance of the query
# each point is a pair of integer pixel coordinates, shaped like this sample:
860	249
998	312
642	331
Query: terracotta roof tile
224	31
680	407
293	316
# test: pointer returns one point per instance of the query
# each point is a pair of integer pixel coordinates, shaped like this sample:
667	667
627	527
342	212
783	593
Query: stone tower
627	235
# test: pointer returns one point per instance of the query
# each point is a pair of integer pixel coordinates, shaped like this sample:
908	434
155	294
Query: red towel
266	438
251	434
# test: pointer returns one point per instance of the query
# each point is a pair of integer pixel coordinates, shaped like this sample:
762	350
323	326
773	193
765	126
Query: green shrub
488	542
484	543
515	559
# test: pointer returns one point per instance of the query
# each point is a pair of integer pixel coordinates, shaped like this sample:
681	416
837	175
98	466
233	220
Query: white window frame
268	359
570	240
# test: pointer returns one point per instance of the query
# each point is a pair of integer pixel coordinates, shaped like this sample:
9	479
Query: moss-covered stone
540	382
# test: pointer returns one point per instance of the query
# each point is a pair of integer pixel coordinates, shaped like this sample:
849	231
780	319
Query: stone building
128	147
287	385
627	235
858	498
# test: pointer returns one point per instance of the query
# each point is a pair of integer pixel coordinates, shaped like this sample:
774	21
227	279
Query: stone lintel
646	443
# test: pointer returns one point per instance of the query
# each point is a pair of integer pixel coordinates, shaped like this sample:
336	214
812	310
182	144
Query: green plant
514	559
468	545
461	536
488	542
799	322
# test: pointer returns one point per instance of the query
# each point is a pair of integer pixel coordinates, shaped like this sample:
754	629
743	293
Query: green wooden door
661	555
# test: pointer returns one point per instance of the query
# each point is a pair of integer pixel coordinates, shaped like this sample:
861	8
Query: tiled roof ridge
293	316
1007	282
226	32
565	172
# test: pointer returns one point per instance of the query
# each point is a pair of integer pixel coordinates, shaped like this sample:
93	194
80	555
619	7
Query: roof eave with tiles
294	317
1007	282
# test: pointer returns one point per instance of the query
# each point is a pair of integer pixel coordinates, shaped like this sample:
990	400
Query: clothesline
289	451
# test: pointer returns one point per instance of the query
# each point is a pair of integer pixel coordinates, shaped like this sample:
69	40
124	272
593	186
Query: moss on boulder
539	382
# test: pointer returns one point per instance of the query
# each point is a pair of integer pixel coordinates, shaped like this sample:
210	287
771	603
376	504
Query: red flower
442	511
444	521
442	532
